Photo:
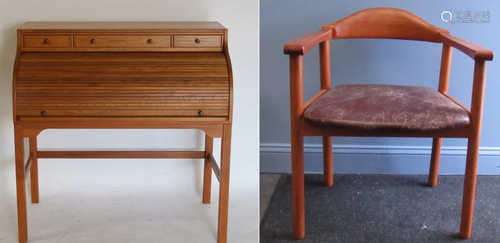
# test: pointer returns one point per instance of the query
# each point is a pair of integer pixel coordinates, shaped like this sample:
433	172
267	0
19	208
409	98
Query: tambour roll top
160	70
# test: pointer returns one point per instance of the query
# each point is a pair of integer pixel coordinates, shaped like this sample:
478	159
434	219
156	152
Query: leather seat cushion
371	107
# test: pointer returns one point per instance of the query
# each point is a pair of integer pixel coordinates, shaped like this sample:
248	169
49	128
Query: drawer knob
46	41
197	41
43	113
93	41
200	113
150	41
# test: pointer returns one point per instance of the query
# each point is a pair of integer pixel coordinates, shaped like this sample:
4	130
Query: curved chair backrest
388	23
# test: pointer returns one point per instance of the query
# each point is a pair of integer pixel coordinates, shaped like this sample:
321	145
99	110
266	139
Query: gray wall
373	61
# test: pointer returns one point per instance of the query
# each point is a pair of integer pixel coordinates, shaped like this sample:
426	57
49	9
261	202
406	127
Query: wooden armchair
383	110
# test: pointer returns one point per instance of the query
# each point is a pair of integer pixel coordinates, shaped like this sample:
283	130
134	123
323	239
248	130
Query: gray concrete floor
268	183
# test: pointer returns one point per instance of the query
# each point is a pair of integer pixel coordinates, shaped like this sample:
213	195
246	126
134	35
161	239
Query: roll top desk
161	75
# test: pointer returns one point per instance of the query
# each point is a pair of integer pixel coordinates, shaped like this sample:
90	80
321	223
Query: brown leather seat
373	107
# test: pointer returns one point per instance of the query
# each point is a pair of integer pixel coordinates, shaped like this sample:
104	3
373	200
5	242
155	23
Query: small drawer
121	41
197	41
42	41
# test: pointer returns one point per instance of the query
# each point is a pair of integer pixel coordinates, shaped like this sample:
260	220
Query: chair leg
298	204
207	170
34	170
434	167
469	187
22	216
224	184
327	161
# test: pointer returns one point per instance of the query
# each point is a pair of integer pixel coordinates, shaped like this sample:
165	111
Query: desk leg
207	169
224	184
22	216
34	170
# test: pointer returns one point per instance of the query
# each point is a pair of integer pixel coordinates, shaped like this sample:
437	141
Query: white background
134	200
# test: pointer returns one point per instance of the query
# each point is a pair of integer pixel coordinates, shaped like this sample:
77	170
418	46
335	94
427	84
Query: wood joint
314	98
27	166
215	167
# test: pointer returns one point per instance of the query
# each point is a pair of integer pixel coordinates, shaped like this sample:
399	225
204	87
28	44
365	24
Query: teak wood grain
129	41
197	41
124	27
116	84
127	75
388	23
122	37
47	41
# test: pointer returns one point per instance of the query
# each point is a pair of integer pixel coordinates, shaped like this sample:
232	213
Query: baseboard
373	159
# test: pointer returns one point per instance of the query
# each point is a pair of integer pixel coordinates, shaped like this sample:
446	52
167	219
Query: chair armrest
301	45
472	50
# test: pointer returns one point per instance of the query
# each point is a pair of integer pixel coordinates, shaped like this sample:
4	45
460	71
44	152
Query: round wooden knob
150	41
46	41
200	113
197	41
43	113
93	41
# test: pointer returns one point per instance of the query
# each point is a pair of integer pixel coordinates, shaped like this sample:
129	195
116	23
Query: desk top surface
122	26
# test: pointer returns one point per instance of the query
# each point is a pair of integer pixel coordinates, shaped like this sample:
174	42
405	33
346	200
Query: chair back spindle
444	75
324	62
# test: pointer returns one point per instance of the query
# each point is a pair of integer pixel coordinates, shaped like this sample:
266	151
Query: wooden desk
170	75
